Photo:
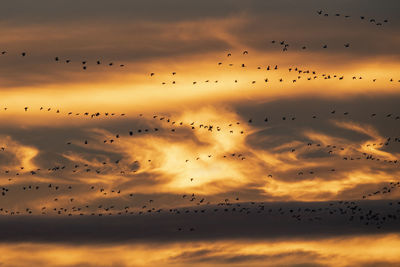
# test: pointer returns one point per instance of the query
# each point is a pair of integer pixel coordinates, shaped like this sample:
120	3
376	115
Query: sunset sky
200	133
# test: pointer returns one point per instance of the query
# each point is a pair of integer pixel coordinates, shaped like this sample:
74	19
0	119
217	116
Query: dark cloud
381	263
211	256
24	11
65	11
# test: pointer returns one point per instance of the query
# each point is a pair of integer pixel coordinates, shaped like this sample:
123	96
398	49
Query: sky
201	133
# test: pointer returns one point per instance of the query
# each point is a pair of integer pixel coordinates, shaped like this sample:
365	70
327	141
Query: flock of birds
62	202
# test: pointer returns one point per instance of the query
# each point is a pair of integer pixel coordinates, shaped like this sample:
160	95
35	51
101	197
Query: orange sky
200	106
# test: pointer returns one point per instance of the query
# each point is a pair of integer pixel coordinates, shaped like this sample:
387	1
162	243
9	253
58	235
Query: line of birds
211	127
285	45
84	63
371	20
174	122
352	211
305	74
384	190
